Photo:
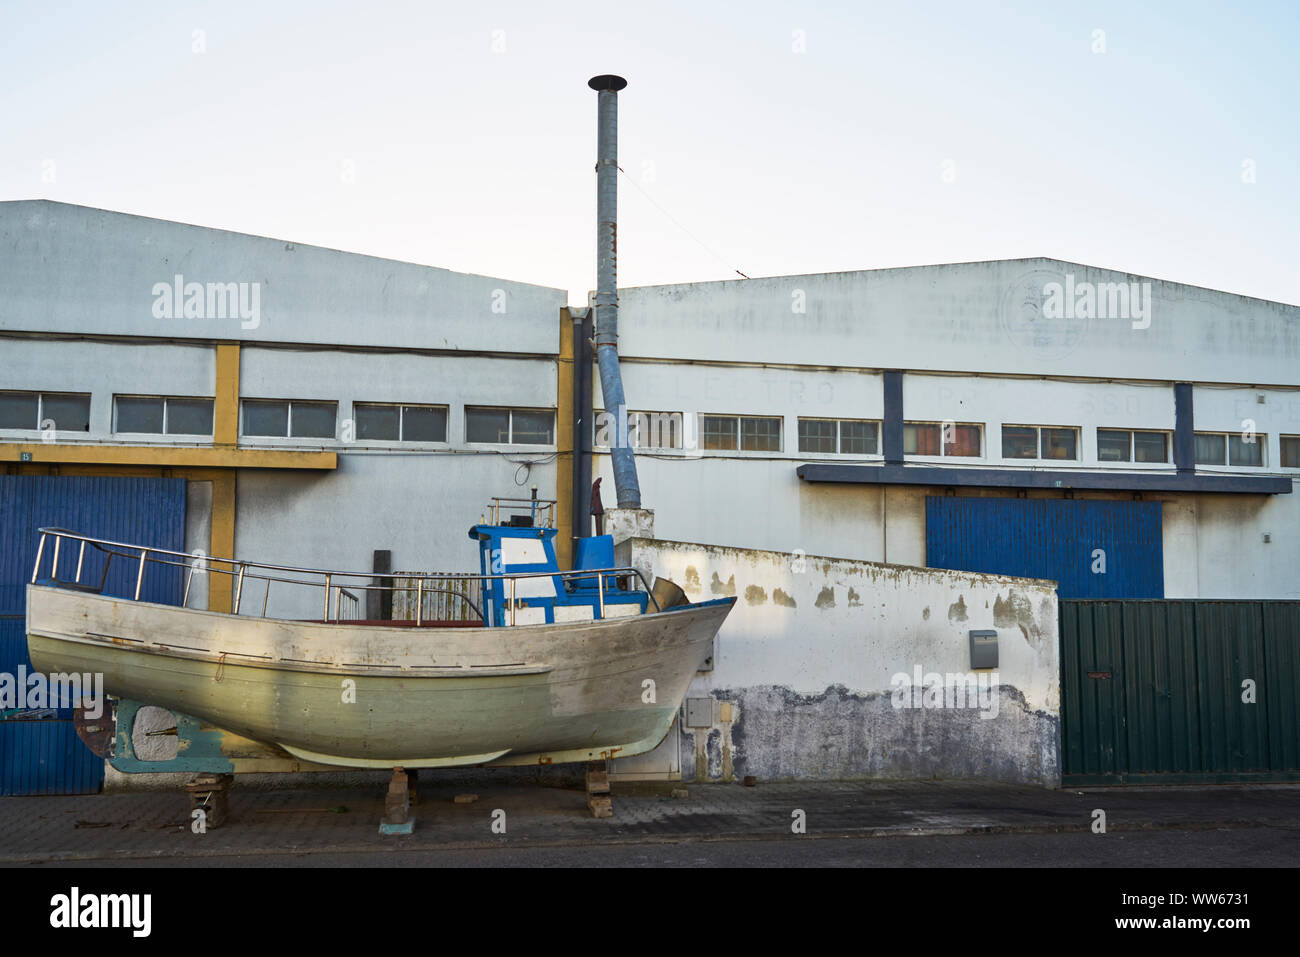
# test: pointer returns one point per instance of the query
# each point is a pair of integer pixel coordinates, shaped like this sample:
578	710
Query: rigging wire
675	222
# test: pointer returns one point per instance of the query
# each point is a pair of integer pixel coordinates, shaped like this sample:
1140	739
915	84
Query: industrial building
875	461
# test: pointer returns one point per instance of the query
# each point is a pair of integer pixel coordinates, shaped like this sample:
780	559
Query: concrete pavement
143	826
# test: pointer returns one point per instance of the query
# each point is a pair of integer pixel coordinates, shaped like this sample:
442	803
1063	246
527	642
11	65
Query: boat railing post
54	559
419	601
327	596
512	602
600	591
189	577
139	577
338	600
239	588
81	557
40	550
266	595
103	578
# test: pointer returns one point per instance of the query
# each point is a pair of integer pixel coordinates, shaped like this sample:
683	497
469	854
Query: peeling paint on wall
783	735
810	690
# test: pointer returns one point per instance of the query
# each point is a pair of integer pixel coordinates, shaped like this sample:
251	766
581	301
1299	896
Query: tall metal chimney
626	486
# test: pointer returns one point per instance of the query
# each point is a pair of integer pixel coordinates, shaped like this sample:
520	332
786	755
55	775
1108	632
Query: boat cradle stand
397	804
598	798
208	794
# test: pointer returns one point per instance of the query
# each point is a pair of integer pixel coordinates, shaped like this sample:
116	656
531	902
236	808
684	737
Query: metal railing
337	587
541	510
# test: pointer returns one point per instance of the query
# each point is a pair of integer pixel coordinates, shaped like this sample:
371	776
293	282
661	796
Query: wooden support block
208	792
397	803
597	778
598	800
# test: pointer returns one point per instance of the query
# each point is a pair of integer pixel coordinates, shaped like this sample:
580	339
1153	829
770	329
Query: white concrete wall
104	369
963	317
73	269
806	659
350	377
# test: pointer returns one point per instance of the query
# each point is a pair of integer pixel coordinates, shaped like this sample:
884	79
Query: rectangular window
37	411
748	433
926	438
189	416
1291	451
282	418
656	430
719	432
378	422
1114	445
1019	442
312	420
818	435
847	436
1242	451
136	414
424	423
760	434
510	426
920	439
859	438
528	427
262	417
1060	444
1123	445
20	410
162	415
1150	447
1210	449
1230	448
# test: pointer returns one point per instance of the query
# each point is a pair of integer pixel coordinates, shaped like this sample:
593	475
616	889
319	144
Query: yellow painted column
225	408
564	461
221	587
225	432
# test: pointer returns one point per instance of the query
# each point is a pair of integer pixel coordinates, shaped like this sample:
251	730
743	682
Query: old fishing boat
555	666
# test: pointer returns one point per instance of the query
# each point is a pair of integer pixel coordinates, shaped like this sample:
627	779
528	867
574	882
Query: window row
276	418
396	422
673	430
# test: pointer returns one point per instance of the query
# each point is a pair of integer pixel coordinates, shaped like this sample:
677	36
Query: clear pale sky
463	135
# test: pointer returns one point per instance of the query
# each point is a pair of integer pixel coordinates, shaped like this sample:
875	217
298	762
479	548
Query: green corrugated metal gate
1160	691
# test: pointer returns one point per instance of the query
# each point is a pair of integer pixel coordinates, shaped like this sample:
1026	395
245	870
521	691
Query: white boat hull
378	696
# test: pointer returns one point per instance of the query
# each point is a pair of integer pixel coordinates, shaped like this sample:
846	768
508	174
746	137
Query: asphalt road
1238	847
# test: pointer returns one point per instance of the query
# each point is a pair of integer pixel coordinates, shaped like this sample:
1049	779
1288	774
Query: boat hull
365	696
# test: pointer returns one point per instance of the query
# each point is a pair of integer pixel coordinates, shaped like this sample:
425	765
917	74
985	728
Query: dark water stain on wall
957	610
826	598
755	595
721	588
692	579
783	735
781	598
1016	611
855	600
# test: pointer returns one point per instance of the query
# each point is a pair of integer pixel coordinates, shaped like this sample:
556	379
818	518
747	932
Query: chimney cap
607	82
